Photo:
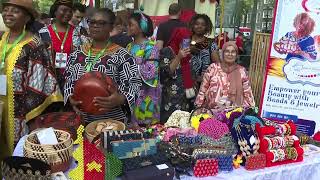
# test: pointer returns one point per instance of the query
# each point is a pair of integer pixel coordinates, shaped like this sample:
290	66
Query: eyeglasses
230	52
98	23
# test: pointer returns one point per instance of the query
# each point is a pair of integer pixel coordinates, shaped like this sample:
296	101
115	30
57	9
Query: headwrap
57	3
235	93
143	24
176	39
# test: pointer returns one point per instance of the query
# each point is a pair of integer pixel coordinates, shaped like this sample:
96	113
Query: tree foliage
44	5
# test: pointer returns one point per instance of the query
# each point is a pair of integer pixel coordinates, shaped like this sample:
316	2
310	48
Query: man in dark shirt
118	34
165	29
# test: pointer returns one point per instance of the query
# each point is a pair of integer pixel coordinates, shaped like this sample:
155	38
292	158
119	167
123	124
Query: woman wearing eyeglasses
225	84
104	56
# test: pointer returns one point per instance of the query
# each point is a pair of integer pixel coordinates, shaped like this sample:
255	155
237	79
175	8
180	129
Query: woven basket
58	156
91	132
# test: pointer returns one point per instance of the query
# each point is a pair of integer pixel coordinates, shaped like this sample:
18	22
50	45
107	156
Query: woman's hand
183	53
107	103
75	105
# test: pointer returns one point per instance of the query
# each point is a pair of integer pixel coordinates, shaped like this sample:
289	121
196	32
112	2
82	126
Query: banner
292	81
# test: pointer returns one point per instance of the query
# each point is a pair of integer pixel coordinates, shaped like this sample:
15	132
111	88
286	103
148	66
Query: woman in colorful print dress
110	59
225	84
147	108
27	81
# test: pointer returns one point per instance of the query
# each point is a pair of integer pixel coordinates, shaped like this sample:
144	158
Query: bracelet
282	155
275	155
288	132
269	142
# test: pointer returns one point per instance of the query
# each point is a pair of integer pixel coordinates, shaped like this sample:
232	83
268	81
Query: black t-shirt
121	39
165	30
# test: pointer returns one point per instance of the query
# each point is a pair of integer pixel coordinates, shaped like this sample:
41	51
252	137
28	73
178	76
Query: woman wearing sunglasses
104	56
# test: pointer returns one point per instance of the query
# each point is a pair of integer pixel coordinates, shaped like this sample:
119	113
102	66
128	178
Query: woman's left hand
107	103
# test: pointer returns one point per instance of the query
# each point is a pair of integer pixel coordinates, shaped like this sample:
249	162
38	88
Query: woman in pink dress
225	84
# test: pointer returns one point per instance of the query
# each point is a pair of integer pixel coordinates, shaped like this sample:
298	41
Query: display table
308	169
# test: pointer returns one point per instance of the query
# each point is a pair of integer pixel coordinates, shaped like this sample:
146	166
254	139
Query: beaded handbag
256	161
206	167
134	148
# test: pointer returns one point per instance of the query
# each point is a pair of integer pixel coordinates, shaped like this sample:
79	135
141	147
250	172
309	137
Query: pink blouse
215	86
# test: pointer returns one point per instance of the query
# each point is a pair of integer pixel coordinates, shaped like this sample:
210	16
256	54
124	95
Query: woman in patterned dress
203	49
110	59
147	108
225	84
26	74
178	85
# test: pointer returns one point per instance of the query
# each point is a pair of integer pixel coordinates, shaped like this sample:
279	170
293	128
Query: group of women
42	68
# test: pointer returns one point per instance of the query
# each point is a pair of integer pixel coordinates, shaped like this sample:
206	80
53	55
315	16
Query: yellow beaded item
228	114
94	166
78	172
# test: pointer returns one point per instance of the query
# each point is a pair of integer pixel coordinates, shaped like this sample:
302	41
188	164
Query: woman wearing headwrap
147	107
176	75
225	84
26	75
60	36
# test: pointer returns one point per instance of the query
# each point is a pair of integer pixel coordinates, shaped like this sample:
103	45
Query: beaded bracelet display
284	154
279	142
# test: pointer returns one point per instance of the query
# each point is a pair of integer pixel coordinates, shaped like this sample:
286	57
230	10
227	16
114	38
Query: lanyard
5	52
90	64
64	38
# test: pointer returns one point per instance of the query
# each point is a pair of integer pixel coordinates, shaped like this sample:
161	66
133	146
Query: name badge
61	60
3	85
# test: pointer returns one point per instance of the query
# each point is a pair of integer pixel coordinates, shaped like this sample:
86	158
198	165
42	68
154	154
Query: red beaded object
271	132
91	85
206	167
94	162
316	136
255	161
213	128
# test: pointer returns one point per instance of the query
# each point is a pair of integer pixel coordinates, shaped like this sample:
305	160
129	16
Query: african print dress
118	64
147	107
31	88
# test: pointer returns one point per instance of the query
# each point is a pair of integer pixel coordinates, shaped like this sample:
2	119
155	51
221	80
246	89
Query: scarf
176	39
235	93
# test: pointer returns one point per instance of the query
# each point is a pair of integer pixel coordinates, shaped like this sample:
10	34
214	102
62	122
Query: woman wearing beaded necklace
104	56
27	82
147	108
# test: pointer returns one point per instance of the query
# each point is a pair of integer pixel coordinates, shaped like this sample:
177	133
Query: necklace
90	64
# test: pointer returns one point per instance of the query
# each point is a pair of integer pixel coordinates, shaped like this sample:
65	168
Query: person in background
225	84
26	73
84	23
166	28
203	49
110	59
222	38
147	107
45	19
239	42
60	36
118	34
78	15
178	90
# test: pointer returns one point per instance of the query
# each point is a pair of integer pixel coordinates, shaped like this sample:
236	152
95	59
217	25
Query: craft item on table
237	161
205	168
66	121
139	162
109	136
134	148
22	168
177	131
276	142
94	161
225	141
179	119
58	156
225	162
95	128
290	153
178	155
246	138
78	172
208	152
310	149
187	140
248	120
272	128
90	85
113	167
256	161
213	128
163	171
195	120
316	136
58	176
